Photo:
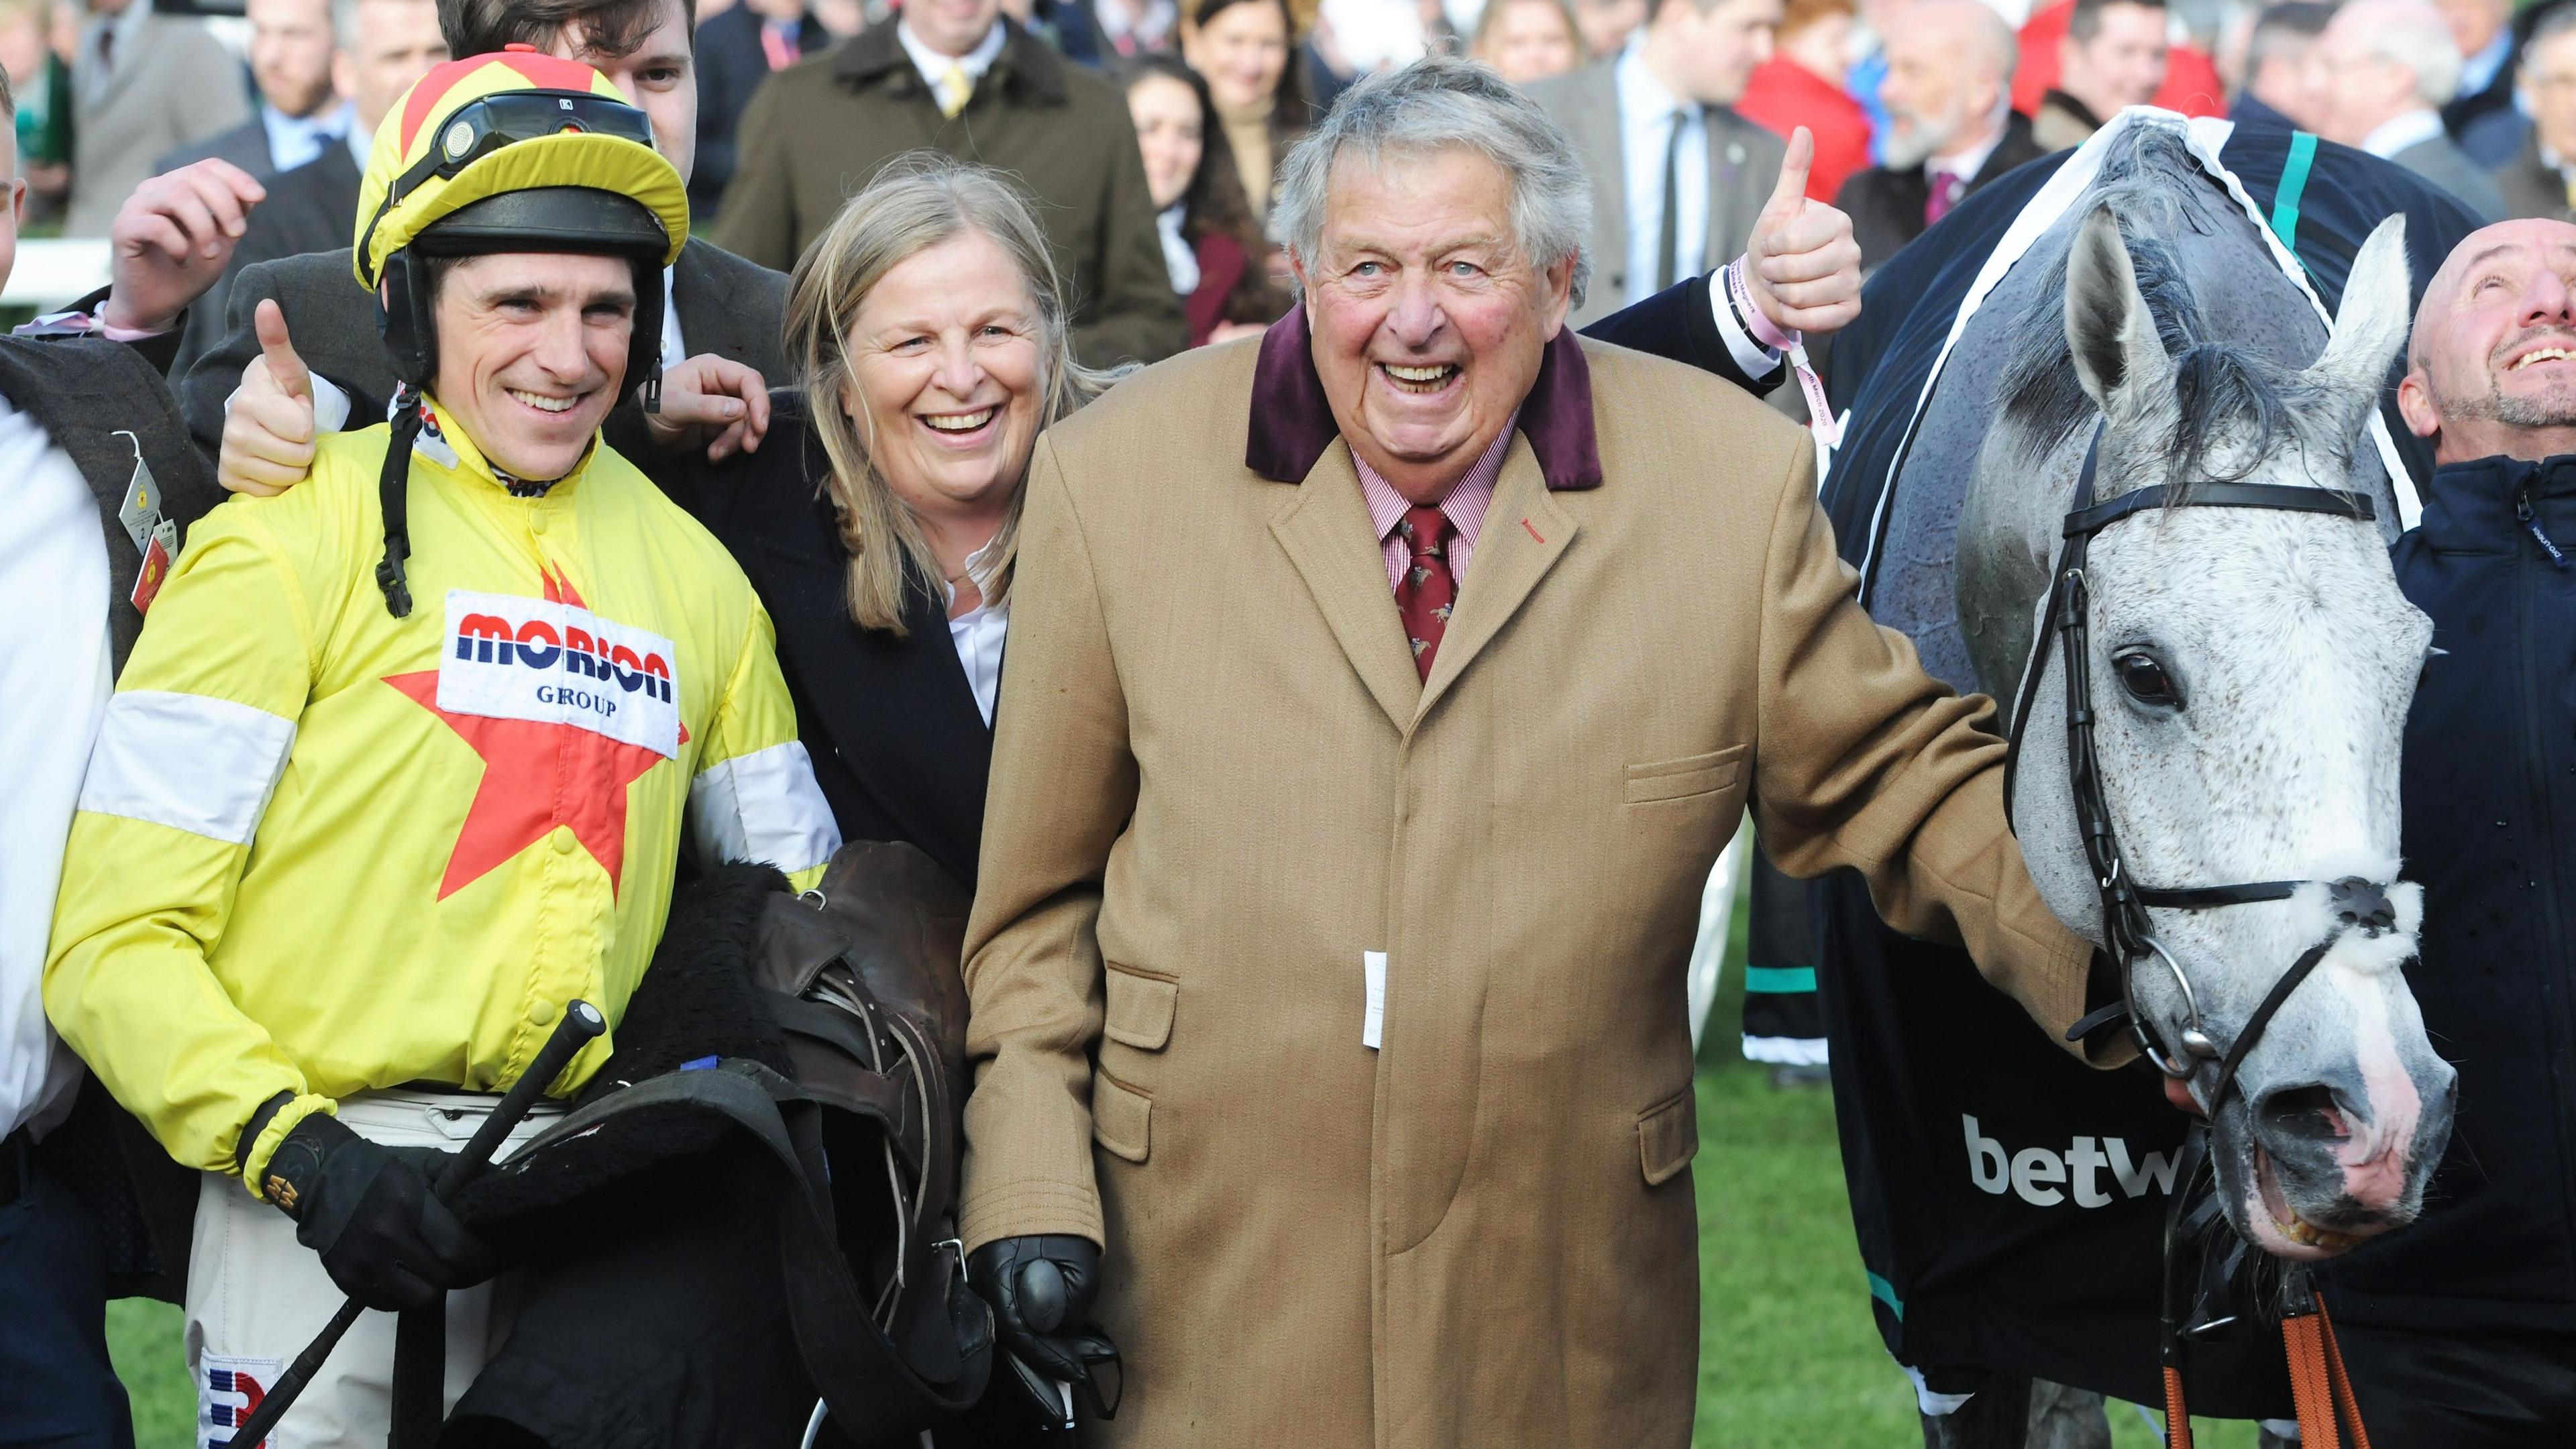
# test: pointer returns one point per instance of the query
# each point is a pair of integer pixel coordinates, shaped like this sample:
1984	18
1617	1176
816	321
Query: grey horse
2251	669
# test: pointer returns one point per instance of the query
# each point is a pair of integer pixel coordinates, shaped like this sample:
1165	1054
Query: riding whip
580	1025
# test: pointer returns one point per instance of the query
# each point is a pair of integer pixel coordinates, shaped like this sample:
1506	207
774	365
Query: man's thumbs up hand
1802	266
268	428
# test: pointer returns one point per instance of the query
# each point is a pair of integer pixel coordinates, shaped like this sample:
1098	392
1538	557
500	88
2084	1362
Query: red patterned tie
1946	189
1425	594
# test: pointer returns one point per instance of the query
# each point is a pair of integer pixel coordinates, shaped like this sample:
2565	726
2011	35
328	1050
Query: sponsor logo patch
553	661
2085	1172
228	1390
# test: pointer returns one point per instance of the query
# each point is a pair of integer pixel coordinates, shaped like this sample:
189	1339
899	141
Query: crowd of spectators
1159	209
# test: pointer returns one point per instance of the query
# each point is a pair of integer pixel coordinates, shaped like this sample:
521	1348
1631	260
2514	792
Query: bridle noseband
2126	931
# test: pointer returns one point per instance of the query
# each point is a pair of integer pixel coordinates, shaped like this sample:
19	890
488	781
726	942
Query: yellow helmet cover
403	193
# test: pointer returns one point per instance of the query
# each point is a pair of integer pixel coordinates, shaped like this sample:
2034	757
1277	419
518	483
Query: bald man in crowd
2461	1331
2391	65
1950	123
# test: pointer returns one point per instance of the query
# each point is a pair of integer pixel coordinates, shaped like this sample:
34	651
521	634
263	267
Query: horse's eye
2144	678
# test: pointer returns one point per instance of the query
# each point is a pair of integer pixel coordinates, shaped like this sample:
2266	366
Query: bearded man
1950	123
1363	755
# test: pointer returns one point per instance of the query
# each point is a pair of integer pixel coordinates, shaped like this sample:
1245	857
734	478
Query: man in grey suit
2392	65
1677	176
143	85
303	106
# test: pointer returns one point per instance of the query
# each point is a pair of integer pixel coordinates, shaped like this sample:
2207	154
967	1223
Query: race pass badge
553	661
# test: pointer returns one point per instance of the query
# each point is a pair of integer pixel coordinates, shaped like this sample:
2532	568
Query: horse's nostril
2301	1116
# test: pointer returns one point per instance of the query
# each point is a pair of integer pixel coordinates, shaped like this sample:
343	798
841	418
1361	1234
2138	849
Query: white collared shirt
2477	72
933	66
2399	133
978	635
295	140
1968	163
56	676
1178	256
1646	112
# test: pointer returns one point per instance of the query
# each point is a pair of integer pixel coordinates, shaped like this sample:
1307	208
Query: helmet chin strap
391	496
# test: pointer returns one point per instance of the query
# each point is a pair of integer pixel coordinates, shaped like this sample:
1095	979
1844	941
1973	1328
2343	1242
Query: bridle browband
2126	932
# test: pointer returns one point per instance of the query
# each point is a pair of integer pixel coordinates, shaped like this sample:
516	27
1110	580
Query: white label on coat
552	661
1373	969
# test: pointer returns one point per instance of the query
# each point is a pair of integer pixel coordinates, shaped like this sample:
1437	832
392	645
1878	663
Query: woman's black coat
899	747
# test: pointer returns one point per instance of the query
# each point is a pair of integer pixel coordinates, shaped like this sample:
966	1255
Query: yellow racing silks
322	850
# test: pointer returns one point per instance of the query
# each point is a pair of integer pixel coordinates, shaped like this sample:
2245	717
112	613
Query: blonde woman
878	519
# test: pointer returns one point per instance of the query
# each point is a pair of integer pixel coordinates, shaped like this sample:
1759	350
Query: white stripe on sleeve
763	806
205	766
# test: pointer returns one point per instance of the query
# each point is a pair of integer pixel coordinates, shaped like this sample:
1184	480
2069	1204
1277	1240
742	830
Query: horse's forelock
2232	402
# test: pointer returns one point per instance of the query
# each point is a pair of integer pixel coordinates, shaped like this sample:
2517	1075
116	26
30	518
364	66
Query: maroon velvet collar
1292	423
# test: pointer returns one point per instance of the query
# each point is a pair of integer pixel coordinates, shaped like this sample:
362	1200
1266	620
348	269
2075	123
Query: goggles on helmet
480	127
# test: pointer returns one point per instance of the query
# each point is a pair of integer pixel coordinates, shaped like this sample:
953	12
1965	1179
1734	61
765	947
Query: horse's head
2250	672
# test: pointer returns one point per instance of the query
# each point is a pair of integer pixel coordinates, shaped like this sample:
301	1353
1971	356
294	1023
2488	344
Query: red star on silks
537	777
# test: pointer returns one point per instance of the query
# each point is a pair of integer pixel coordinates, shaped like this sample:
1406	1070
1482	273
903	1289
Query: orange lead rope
2177	1415
2320	1385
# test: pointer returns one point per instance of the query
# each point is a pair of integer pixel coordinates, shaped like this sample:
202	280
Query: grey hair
2413	35
1435	105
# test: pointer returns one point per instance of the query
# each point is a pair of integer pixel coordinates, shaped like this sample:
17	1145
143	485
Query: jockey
400	765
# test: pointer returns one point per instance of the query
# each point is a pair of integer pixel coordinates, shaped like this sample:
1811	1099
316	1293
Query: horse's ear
2371	325
2119	357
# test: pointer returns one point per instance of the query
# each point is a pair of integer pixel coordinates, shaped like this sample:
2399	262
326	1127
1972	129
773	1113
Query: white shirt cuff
330	404
1758	361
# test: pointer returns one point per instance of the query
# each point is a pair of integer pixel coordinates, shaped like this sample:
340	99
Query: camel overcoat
1218	786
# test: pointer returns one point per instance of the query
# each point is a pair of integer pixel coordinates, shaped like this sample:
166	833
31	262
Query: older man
1363	757
2461	1331
2391	65
2541	182
1950	123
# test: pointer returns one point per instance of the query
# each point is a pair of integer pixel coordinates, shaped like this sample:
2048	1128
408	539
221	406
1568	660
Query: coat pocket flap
1119	1114
1140	1010
1689	775
1667	1137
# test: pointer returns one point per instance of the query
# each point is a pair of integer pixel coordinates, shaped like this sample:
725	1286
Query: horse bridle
2126	931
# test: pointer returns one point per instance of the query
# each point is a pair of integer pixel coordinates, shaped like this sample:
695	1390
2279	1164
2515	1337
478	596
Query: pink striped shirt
1465	505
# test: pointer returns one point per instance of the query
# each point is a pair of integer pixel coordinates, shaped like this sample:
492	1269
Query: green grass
1789	1355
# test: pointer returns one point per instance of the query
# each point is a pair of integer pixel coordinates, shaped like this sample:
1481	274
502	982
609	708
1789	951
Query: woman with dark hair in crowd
1246	49
1220	265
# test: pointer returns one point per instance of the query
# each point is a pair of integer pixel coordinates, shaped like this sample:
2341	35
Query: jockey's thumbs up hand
1802	266
268	426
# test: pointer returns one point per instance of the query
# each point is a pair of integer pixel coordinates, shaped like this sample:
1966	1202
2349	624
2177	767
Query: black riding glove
367	1210
1041	1290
